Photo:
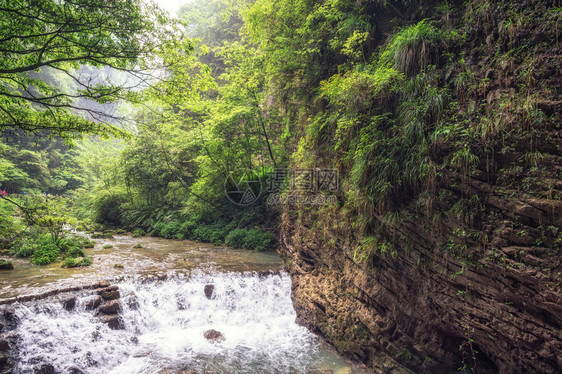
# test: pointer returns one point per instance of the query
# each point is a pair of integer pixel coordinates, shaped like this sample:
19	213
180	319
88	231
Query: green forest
125	118
441	121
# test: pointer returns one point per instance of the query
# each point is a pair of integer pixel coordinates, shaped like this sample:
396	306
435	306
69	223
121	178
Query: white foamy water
164	326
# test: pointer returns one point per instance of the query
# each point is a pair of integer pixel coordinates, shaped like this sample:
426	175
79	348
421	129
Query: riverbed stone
69	303
110	295
113	321
10	314
110	307
213	335
93	302
209	288
6	265
142	353
133	303
107	289
4	345
45	369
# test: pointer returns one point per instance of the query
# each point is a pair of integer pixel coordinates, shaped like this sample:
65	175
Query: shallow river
165	313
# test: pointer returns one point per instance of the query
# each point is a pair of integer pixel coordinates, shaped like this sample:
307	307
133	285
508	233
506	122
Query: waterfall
164	325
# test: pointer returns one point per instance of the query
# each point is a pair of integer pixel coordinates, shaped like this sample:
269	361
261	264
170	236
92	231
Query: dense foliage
396	107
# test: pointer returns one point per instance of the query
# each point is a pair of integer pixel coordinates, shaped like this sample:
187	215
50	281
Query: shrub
157	229
258	240
187	228
75	252
46	252
70	262
24	250
73	244
200	233
138	245
215	234
107	209
171	230
6	265
250	239
137	233
100	235
413	48
236	238
204	233
107	246
9	225
218	234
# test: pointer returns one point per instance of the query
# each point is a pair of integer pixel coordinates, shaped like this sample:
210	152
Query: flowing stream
165	319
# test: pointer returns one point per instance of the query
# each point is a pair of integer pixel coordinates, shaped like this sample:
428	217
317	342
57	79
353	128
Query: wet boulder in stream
113	321
110	307
69	303
4	345
10	315
74	370
110	293
45	369
213	335
101	290
132	302
6	265
209	288
103	284
93	302
3	360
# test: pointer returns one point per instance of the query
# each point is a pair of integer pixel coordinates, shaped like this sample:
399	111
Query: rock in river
111	295
213	335
110	307
113	321
209	288
4	345
93	302
45	369
6	265
69	303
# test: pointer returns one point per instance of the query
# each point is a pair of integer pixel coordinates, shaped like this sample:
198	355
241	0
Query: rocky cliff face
426	311
464	272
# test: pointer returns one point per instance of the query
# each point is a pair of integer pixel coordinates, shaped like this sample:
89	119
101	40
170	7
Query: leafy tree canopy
45	41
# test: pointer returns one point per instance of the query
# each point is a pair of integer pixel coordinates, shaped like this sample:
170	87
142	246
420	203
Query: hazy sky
172	6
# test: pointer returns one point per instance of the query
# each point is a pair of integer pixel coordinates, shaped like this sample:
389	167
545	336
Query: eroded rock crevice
426	307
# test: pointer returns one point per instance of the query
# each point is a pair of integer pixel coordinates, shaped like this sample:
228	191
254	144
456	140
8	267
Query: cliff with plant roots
444	251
